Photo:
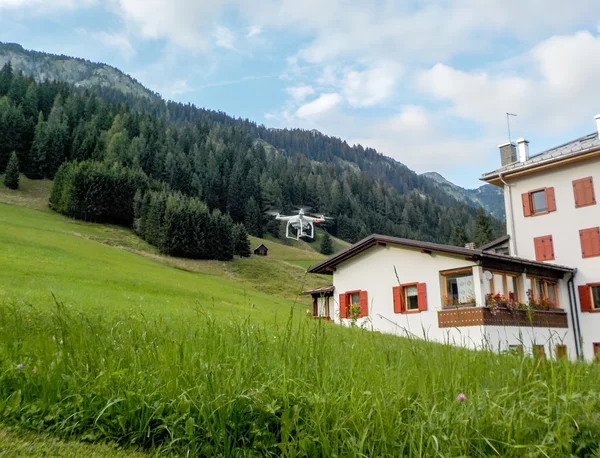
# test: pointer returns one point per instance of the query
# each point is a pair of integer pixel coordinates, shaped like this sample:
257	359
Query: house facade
441	293
535	290
552	216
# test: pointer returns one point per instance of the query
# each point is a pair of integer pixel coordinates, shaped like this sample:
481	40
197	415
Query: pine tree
484	232
241	242
253	218
458	237
11	175
37	155
326	244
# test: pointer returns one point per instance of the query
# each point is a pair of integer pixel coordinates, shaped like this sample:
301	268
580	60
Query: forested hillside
224	162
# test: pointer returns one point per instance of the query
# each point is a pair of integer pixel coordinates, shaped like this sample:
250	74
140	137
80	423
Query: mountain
64	112
488	197
78	72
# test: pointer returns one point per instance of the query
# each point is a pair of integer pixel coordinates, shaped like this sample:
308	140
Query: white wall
564	225
373	271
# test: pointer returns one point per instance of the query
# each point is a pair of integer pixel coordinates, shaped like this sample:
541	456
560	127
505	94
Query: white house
537	289
552	216
439	292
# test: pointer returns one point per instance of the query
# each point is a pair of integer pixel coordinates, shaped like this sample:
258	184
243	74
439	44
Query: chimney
523	149
508	153
597	118
470	245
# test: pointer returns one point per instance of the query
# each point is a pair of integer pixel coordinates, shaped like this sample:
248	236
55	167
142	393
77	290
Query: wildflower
20	366
34	371
598	416
308	311
461	397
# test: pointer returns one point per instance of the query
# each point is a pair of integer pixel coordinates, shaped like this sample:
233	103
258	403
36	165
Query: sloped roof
577	147
322	289
263	245
495	243
325	267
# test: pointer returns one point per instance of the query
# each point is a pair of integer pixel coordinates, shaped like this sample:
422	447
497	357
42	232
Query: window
583	191
543	293
544	248
589	297
538	202
538	199
506	284
597	351
590	242
458	287
560	351
516	349
410	298
354	304
539	352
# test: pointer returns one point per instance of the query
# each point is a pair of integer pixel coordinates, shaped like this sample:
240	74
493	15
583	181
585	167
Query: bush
11	176
326	244
97	191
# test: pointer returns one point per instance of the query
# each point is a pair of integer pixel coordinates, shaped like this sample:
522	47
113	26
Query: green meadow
108	348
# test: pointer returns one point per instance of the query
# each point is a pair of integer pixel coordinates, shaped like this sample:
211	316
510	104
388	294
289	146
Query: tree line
228	164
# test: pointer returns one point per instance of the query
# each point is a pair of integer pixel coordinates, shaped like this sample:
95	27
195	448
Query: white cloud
224	38
117	40
322	104
556	90
299	93
43	5
254	31
372	86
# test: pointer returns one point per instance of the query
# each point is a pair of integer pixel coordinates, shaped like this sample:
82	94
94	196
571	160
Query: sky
426	82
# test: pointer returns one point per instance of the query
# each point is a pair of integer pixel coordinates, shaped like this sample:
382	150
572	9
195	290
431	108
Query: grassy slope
132	360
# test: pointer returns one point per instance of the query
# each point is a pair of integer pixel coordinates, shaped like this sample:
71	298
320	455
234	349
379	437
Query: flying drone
303	224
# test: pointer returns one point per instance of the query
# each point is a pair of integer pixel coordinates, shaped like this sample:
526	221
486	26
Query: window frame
545	283
516	349
403	288
560	351
532	202
505	276
539	351
596	349
594	307
444	274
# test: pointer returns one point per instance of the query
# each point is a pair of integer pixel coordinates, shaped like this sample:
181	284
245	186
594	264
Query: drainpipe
574	315
509	210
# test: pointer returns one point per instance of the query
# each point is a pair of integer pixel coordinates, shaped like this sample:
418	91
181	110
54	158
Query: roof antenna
508	124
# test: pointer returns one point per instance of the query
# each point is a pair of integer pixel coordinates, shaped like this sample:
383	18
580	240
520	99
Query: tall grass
210	387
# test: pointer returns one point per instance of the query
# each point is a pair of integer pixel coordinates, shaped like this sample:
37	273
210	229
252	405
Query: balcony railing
453	317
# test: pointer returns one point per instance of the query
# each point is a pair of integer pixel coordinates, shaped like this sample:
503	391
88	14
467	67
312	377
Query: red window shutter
550	200
364	304
398	306
585	299
544	248
590	242
343	306
526	204
549	248
583	190
422	296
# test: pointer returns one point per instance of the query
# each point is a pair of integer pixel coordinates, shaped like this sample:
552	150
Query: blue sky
425	82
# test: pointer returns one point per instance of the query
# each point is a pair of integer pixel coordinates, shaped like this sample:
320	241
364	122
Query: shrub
11	176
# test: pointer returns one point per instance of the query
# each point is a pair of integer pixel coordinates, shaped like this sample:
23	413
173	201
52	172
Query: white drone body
303	224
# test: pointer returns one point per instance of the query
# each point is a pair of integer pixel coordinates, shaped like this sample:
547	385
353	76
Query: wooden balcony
482	316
